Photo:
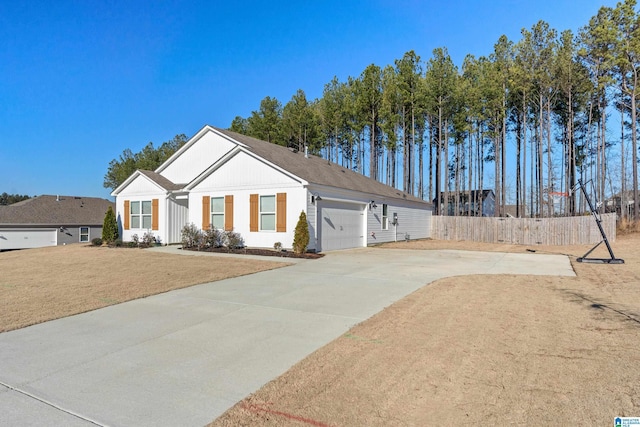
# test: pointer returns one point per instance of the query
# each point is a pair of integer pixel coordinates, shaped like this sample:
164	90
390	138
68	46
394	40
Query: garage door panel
341	226
26	239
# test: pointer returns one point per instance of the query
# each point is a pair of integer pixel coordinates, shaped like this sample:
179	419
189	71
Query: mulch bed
262	252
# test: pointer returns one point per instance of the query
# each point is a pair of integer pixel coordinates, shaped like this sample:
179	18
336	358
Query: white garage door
25	239
340	225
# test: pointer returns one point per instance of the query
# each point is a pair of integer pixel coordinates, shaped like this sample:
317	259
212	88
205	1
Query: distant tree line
9	199
553	101
149	158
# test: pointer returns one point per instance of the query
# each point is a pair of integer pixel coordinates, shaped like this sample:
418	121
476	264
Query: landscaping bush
117	243
135	241
192	236
277	246
96	241
109	227
213	238
233	240
301	235
147	240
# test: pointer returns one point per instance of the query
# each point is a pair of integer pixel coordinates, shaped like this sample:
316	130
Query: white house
230	181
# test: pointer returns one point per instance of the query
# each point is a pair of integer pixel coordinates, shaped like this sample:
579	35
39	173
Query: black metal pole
602	233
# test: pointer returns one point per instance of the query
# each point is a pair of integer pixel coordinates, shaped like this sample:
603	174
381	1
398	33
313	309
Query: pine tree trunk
470	177
634	155
445	207
550	186
539	166
524	155
518	150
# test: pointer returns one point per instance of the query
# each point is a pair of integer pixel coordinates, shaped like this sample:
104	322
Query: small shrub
109	227
147	240
277	246
233	240
212	238
118	243
135	239
96	241
132	244
301	235
191	236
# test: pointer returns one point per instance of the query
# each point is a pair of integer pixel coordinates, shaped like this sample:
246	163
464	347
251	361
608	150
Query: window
141	214
268	213
84	234
385	217
217	213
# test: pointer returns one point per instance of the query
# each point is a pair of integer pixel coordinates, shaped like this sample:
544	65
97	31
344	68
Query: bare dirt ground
37	285
477	350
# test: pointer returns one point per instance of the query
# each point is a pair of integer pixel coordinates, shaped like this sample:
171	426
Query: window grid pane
135	221
146	208
135	208
217	221
267	204
268	222
146	221
217	204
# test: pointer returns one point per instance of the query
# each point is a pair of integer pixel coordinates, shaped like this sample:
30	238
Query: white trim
132	178
80	234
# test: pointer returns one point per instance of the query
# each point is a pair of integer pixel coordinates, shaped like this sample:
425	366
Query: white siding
414	221
245	171
296	203
197	158
177	217
311	222
139	186
414	218
141	189
241	176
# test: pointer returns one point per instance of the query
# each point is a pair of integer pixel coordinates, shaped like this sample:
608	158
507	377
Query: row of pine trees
529	120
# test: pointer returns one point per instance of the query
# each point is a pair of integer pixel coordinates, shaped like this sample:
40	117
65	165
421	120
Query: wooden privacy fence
575	230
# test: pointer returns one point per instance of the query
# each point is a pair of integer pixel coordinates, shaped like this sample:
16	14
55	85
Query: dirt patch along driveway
37	285
476	350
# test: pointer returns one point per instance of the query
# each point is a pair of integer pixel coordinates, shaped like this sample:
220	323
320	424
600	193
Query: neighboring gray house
51	220
229	181
477	198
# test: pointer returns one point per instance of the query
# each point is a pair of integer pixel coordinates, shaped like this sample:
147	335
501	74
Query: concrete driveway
184	357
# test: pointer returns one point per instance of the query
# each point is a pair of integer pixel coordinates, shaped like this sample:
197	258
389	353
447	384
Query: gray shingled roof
161	180
317	170
55	211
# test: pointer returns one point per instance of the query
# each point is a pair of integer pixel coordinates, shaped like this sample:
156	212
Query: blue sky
82	81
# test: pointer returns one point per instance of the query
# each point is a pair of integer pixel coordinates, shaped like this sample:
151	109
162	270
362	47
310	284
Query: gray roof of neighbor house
317	170
55	211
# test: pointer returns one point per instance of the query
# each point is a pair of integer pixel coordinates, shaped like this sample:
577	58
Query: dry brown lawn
476	350
37	285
